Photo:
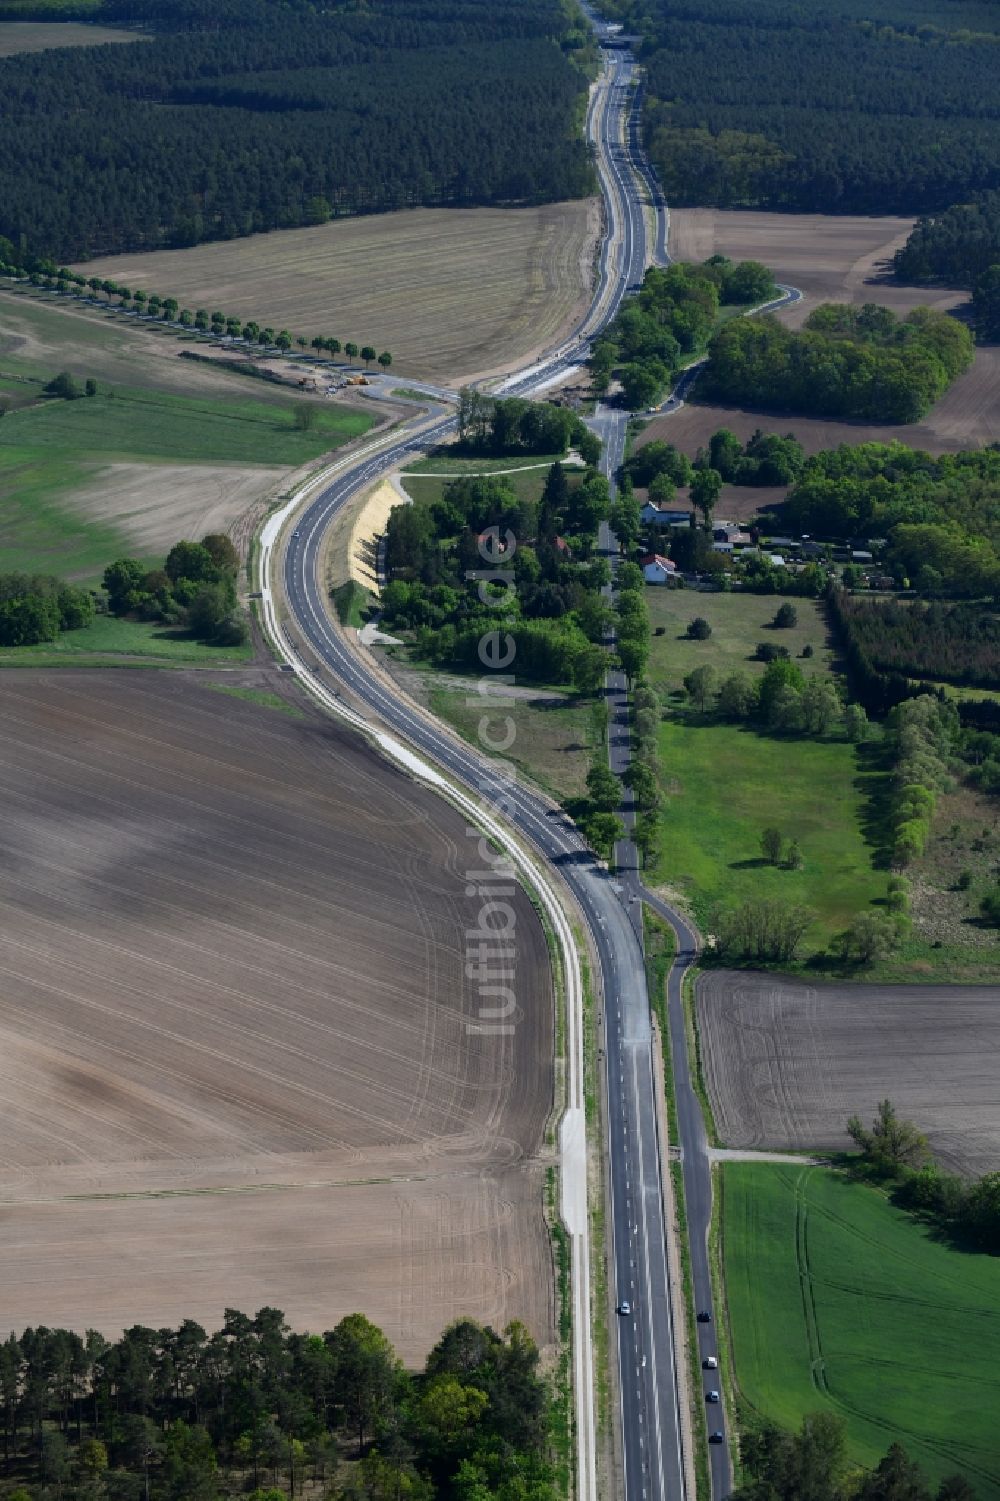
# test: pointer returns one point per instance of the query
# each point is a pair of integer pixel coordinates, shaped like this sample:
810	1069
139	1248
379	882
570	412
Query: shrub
767	930
62	385
771	843
989	907
699	629
786	616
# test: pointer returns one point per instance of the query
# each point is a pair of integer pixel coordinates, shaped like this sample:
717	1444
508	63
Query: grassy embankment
839	1301
110	642
427	480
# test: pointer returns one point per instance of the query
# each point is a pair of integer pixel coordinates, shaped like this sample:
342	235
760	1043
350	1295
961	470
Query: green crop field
154	424
68	509
738	622
837	1300
725	784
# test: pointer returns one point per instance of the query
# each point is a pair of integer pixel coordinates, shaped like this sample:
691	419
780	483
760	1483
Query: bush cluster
896	1151
36	607
782	700
195	588
513	425
765	458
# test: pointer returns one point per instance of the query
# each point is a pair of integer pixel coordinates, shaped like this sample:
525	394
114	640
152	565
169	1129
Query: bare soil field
787	1062
154	504
830	259
238	1062
39	36
451	292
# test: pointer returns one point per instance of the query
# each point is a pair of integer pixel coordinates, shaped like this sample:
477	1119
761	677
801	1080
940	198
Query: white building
654	515
658	570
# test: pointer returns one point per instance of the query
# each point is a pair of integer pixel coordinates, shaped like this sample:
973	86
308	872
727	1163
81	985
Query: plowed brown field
451	292
787	1062
232	985
830	259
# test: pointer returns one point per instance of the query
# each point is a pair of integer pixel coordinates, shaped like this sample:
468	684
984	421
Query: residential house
658	570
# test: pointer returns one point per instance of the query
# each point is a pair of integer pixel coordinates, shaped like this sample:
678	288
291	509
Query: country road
648	1347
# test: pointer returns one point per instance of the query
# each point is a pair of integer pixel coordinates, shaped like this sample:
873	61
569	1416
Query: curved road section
647	1344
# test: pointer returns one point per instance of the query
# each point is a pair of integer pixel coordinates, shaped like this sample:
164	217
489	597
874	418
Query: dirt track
787	1062
232	956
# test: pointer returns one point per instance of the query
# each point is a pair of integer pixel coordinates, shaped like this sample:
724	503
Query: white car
624	1308
710	1363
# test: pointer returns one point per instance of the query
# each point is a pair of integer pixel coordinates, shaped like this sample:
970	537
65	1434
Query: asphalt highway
651	1428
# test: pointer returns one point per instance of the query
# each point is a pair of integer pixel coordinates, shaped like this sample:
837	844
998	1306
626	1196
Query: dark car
704	1316
716	1437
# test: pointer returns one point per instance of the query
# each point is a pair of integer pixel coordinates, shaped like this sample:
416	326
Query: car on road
715	1437
296	533
704	1316
624	1308
710	1363
711	1396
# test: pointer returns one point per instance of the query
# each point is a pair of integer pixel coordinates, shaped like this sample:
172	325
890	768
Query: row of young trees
244	117
845	362
923	734
184	1415
168	310
195	589
668	321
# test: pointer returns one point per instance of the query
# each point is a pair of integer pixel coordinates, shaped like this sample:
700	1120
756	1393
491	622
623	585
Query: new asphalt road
651	1430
